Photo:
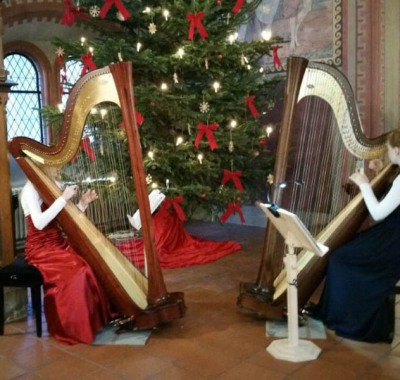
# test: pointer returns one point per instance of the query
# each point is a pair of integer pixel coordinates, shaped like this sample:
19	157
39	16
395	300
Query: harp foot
254	301
262	294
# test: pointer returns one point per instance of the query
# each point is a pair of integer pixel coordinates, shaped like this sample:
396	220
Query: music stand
296	235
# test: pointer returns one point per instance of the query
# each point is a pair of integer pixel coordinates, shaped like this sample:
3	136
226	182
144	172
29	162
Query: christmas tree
199	91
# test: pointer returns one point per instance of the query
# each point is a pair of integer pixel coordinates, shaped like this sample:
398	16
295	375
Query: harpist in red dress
76	307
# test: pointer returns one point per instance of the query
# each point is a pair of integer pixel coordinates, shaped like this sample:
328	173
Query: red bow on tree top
118	3
195	21
71	12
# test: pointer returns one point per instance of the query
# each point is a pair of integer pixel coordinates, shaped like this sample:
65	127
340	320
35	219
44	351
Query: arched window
25	99
69	75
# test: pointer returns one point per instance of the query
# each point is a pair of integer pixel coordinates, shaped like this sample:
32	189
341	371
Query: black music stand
296	235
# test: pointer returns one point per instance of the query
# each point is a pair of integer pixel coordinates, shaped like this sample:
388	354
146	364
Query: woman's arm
32	204
381	209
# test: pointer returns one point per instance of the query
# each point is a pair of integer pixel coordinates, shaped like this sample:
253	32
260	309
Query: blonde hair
394	138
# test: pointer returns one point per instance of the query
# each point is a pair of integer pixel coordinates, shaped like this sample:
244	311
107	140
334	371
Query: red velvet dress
75	305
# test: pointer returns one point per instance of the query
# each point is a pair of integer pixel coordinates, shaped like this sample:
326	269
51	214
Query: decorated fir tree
199	93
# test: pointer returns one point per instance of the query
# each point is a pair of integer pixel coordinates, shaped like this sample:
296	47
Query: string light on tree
164	87
216	86
233	37
266	35
83	40
269	129
180	53
138	46
103	113
166	14
150	154
179	140
200	157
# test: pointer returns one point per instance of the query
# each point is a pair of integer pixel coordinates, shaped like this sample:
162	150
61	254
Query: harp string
107	172
318	160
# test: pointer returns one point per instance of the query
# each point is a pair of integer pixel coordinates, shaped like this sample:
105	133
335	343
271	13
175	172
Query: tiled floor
213	341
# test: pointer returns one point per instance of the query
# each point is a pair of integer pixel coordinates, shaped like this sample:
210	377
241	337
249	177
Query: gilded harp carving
321	142
133	292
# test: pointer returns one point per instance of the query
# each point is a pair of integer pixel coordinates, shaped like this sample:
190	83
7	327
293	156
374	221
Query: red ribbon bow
195	21
208	131
85	146
252	107
70	13
233	176
232	207
175	203
277	61
238	6
88	63
118	3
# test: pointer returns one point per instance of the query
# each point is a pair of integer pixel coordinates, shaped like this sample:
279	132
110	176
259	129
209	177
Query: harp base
303	351
255	300
171	308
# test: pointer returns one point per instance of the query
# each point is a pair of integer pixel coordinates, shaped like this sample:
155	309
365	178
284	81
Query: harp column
6	227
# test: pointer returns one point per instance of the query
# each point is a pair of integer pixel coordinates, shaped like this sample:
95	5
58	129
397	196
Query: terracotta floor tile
214	341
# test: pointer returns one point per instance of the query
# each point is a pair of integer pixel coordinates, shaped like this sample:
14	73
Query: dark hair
394	138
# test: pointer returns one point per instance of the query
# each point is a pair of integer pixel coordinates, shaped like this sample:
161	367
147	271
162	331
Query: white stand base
303	351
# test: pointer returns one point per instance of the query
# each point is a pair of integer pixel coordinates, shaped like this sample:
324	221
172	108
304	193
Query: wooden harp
133	294
320	144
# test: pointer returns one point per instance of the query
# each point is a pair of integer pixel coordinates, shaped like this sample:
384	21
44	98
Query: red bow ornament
175	203
71	12
238	6
277	61
118	3
252	107
88	63
208	131
195	21
85	146
232	208
232	176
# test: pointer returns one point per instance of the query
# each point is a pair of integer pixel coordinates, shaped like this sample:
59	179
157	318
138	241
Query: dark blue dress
360	279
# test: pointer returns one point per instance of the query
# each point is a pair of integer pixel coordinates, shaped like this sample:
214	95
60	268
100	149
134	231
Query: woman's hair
394	139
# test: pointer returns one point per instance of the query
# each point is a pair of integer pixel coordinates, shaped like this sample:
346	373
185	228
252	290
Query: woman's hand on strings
359	178
69	192
88	197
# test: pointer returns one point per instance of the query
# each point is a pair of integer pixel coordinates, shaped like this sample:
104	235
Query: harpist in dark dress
362	274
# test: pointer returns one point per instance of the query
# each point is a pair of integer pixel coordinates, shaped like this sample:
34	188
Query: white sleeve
31	204
381	209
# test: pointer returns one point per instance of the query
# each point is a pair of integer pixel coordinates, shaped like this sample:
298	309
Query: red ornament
152	104
203	195
263	141
219	56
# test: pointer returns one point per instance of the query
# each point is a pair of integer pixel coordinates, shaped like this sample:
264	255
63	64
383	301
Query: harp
321	142
134	293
